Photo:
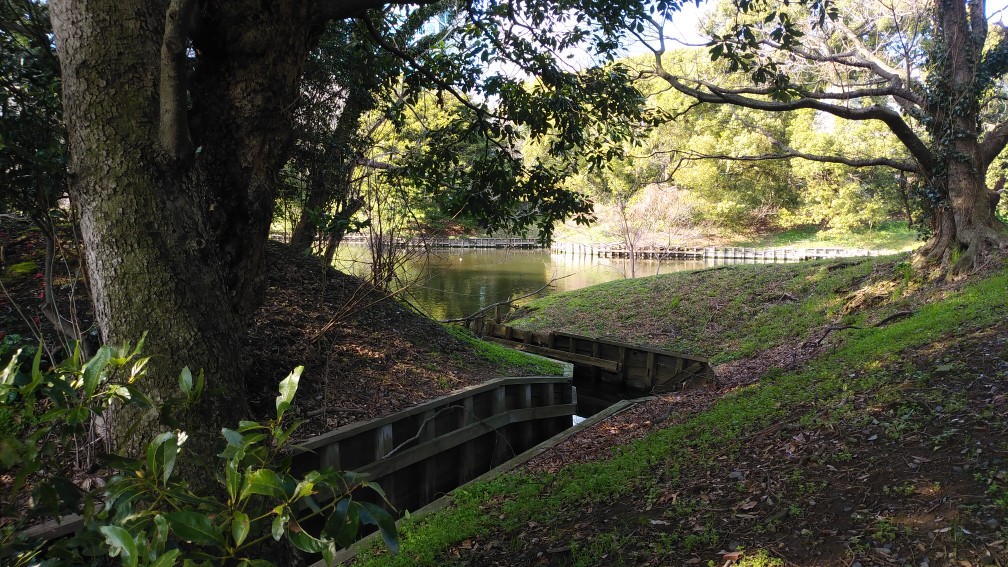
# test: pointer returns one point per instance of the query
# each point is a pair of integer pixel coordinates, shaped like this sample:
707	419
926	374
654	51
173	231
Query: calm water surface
456	283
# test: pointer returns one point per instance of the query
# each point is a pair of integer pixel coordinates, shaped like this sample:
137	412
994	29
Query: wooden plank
609	365
429	466
694	370
348	554
451	440
467	468
320	441
526	403
637	347
502	441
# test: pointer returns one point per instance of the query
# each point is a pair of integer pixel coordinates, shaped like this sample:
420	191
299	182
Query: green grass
22	269
892	235
508	358
723	313
503	506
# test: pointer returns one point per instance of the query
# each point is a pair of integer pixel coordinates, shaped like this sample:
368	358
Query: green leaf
185	381
161	530
255	563
239	527
288	387
262	481
233	437
329	553
375	515
119	462
93	369
233	479
278	525
303	540
137	397
195	527
343	524
168	559
7	377
161	454
37	366
121	543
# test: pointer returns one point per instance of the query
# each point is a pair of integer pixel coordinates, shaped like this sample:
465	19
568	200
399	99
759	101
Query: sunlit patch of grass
723	313
893	235
507	358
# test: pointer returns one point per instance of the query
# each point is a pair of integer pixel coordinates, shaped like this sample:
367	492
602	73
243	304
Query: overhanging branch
716	95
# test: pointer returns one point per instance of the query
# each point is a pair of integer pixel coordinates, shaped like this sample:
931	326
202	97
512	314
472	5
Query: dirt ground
364	354
916	476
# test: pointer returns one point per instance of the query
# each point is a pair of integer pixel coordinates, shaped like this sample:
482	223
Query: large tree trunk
965	230
174	242
965	226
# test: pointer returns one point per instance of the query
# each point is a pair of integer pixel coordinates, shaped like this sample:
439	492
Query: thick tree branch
716	95
993	144
790	153
174	122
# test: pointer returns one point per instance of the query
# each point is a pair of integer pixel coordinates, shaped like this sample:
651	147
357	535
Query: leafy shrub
145	515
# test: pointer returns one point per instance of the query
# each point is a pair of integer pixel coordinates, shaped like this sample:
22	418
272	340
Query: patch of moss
22	269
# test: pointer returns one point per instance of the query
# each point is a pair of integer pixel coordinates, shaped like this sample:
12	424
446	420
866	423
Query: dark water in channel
456	283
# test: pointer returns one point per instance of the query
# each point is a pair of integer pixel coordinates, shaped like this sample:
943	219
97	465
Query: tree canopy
929	72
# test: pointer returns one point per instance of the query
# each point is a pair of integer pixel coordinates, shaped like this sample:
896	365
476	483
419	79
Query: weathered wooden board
433	447
609	363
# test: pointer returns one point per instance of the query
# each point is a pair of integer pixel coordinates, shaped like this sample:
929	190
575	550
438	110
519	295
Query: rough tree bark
175	204
964	221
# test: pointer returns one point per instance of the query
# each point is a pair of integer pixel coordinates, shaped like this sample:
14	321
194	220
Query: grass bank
795	469
733	312
890	235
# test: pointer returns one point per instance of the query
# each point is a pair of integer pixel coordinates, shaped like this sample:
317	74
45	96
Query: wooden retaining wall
608	369
618	250
423	453
426	451
459	242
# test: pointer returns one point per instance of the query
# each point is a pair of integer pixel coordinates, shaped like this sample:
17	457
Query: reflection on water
456	283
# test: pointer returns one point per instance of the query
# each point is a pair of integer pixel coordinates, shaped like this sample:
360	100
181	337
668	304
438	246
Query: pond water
456	283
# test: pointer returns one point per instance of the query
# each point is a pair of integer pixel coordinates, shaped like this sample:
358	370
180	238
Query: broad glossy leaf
195	527
233	437
161	530
233	479
167	560
185	380
377	516
305	541
288	387
121	540
93	369
262	481
161	454
278	524
239	527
